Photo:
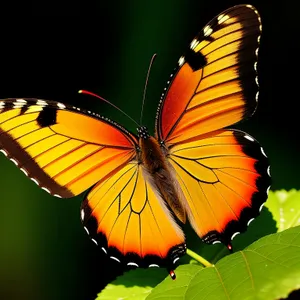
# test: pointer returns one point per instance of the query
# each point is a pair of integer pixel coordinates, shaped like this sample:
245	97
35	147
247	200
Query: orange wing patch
225	178
130	221
61	149
215	84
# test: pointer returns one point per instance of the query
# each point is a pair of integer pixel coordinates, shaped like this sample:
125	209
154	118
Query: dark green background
56	48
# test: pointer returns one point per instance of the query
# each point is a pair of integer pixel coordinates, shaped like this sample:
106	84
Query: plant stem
199	258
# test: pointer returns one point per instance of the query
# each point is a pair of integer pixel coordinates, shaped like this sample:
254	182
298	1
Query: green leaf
176	289
133	285
285	207
268	269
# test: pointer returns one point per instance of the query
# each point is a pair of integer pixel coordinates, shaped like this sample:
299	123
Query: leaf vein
248	269
223	285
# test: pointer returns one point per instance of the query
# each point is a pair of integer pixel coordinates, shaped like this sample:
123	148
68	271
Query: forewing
214	85
61	148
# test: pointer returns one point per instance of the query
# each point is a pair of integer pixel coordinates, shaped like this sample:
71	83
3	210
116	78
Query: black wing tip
248	52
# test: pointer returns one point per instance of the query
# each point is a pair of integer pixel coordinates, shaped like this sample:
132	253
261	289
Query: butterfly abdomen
158	174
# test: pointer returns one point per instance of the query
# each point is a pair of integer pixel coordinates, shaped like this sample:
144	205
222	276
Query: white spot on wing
103	249
58	196
268	171
256	81
35	181
21	101
114	258
261	207
4	152
248	137
14	161
207	30
87	231
41	103
181	61
18	104
249	222
45	189
263	152
153	266
222	18
82	214
24	171
95	241
268	189
194	44
133	264
234	235
255	66
61	106
176	259
258	39
216	242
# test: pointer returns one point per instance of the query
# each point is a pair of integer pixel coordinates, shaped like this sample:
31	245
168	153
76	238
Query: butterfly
142	188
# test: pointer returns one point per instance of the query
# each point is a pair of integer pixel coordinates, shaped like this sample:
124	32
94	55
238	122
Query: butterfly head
143	132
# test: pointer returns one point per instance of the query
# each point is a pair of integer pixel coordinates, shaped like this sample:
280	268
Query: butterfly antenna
146	83
101	98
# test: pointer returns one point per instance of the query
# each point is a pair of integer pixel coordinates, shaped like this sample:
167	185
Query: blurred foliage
285	208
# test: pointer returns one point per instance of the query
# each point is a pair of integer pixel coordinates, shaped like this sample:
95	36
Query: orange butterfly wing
224	174
130	222
215	82
62	149
225	178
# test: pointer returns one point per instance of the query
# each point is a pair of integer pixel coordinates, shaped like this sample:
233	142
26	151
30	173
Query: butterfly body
159	173
195	169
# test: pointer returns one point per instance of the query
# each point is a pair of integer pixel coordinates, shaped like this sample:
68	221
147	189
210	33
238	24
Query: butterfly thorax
155	165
